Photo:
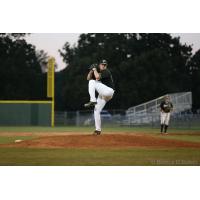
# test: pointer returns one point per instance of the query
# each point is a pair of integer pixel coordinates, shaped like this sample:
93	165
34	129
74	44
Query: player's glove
167	109
93	66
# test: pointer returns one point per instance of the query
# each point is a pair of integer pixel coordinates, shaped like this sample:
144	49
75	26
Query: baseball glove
93	66
167	109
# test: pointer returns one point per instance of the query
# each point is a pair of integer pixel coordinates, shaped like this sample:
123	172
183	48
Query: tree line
21	75
144	66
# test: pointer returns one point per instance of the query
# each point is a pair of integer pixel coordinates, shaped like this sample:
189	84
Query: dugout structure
31	113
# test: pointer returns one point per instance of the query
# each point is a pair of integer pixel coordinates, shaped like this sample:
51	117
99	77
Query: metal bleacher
148	112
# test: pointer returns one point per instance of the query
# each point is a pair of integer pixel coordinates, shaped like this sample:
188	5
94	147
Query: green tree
20	70
194	72
144	66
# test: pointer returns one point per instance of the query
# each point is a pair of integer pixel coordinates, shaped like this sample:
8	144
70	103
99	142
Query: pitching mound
103	141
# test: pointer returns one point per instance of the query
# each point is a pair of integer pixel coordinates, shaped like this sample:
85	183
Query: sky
52	42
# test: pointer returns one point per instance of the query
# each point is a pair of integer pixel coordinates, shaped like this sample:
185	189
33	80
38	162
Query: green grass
88	157
189	138
97	157
11	139
88	129
70	128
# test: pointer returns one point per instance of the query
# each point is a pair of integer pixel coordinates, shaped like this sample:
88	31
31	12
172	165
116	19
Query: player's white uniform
164	118
105	94
166	107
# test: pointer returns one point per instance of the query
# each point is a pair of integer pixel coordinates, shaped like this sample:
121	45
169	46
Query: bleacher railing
146	112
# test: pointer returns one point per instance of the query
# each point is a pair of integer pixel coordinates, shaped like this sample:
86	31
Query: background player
100	80
166	107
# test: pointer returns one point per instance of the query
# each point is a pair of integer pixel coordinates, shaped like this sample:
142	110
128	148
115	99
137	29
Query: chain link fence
86	117
119	118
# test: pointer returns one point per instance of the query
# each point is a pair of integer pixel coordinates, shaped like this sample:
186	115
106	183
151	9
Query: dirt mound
102	141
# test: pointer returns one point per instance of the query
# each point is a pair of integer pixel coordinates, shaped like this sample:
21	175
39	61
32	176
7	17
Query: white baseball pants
105	94
164	118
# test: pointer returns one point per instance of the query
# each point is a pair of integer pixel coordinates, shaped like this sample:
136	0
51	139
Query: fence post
77	118
65	118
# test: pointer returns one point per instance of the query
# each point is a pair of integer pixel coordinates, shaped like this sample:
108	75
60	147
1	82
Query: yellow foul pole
51	87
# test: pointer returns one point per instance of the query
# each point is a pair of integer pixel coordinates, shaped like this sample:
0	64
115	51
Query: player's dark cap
104	62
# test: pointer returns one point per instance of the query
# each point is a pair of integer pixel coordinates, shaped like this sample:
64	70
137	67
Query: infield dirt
109	140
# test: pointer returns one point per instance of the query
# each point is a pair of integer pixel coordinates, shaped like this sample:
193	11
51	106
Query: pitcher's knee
107	98
110	93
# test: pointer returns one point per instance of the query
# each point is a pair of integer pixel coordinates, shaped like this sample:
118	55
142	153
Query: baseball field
76	146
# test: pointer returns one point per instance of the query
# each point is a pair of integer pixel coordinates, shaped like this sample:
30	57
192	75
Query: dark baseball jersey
106	78
166	106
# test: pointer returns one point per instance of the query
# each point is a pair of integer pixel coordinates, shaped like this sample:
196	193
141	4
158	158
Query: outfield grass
71	128
88	157
90	129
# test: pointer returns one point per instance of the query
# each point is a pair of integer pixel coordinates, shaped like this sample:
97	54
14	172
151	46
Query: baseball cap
104	62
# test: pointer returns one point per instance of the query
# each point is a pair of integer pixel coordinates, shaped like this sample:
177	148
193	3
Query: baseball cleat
97	132
163	133
90	104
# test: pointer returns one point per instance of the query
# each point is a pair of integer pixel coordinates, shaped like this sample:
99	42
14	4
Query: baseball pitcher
166	108
100	81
